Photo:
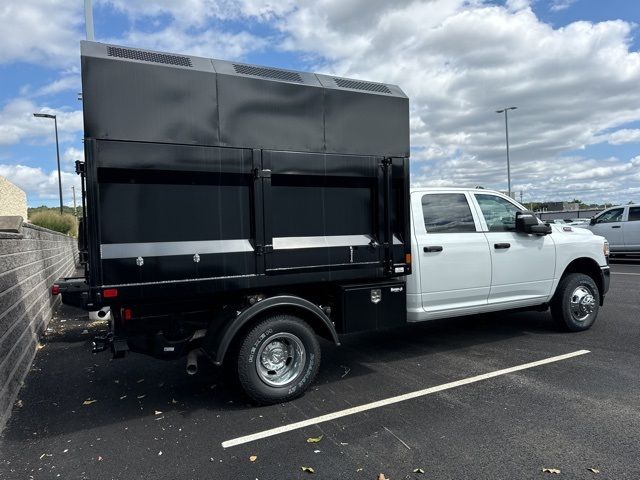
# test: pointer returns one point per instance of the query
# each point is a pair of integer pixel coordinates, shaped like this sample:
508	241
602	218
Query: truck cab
470	255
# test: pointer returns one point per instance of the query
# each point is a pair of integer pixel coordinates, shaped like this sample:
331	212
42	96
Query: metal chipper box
209	176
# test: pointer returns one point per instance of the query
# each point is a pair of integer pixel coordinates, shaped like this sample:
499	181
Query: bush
65	223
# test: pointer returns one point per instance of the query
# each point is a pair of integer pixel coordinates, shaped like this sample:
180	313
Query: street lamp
55	123
506	129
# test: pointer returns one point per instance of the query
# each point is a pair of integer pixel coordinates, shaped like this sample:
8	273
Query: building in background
13	200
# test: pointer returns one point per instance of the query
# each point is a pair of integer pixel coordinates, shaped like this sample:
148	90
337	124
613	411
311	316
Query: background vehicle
237	212
621	227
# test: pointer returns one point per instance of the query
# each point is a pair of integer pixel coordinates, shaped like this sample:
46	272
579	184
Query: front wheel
576	302
278	359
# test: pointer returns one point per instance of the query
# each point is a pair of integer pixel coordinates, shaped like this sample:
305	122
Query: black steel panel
330	165
129	99
262	112
159	156
365	122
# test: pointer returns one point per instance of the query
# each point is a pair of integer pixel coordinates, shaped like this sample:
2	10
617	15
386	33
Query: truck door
523	266
455	263
609	225
631	230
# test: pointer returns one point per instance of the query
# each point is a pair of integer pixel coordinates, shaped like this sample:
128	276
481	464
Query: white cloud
40	186
41	31
17	123
204	42
70	155
625	135
460	61
559	5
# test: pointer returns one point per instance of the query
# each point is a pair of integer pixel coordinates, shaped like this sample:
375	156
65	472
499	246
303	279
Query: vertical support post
55	121
88	19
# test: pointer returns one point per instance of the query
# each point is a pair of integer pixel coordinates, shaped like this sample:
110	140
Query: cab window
613	215
499	213
447	213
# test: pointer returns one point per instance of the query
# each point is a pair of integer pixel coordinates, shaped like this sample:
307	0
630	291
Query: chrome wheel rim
582	303
280	359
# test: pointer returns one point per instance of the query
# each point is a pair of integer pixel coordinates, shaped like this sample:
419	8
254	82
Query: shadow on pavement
65	373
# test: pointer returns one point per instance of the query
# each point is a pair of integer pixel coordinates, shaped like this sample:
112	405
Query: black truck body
213	188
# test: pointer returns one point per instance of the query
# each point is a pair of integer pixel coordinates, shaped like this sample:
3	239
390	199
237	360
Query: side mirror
592	221
527	222
541	229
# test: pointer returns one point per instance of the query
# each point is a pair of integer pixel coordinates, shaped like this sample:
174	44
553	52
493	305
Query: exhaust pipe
192	362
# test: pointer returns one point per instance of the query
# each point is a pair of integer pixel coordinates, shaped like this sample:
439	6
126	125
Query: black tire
293	339
571	308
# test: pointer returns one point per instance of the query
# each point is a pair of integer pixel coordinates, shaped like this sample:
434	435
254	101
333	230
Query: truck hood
559	229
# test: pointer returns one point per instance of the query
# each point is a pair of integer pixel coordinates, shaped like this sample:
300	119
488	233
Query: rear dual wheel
278	359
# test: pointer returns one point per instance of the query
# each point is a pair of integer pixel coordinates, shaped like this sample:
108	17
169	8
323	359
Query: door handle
434	248
498	246
615	226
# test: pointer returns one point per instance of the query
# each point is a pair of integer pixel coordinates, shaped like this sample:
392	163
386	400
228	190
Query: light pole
506	130
55	123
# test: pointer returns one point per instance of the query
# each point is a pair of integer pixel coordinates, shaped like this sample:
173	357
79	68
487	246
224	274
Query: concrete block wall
30	262
13	200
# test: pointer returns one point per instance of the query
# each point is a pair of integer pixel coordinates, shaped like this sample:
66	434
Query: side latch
260	173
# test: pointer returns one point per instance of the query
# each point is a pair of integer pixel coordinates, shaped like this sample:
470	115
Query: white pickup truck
477	251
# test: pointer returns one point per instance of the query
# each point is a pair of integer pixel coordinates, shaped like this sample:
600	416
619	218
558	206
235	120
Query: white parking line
624	273
389	401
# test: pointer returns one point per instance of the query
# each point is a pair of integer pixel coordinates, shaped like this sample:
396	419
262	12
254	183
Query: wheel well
589	267
230	334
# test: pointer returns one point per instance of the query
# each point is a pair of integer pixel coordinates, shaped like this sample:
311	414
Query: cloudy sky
572	67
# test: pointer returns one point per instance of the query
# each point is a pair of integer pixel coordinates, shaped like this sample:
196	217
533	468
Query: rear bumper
605	275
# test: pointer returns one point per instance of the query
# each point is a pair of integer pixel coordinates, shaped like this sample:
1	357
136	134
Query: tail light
127	314
55	290
110	293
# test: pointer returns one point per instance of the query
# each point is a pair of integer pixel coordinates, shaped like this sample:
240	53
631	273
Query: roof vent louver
149	56
358	85
267	73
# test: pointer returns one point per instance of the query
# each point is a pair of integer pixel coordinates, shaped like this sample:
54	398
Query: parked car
620	225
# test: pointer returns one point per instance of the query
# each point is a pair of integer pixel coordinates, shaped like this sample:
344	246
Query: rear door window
634	214
447	213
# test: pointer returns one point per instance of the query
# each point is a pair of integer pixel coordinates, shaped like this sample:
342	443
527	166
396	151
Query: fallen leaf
158	412
141	396
308	469
593	470
174	401
314	439
316	451
123	397
359	469
89	401
253	458
99	458
159	418
550	470
19	404
382	477
65	450
140	381
418	470
160	453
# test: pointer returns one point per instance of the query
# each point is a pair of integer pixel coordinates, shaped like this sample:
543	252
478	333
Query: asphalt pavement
86	416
